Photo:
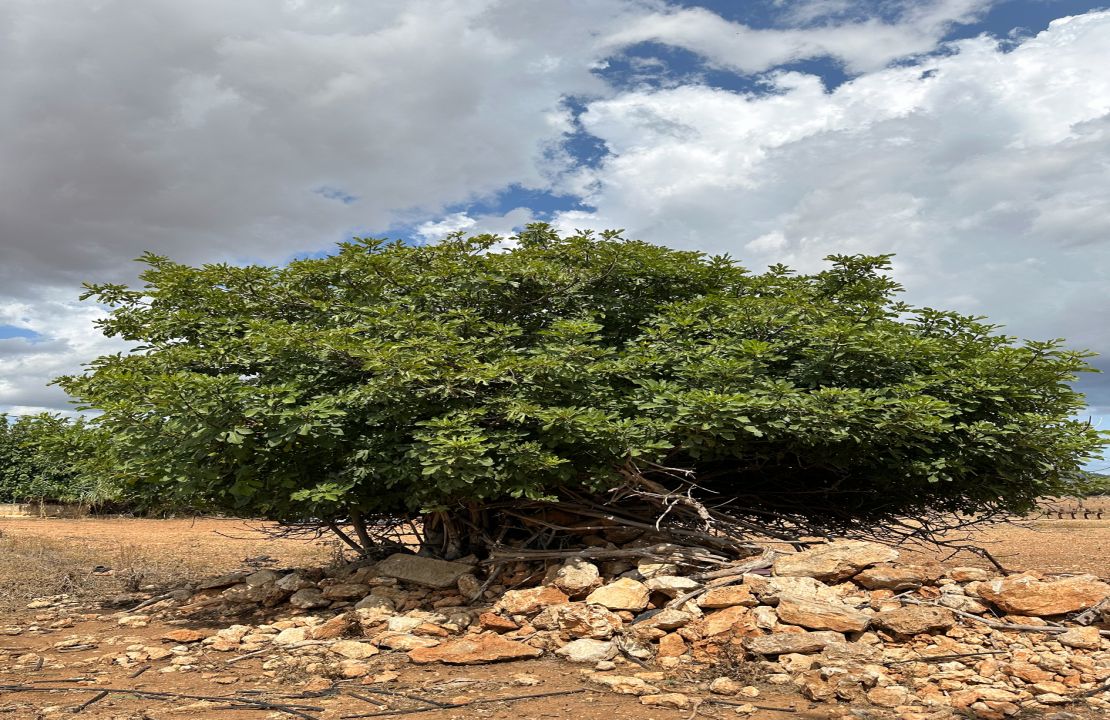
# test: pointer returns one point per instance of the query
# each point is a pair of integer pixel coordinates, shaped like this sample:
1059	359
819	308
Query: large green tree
388	380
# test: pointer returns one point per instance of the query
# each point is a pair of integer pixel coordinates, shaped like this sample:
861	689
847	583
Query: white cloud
984	171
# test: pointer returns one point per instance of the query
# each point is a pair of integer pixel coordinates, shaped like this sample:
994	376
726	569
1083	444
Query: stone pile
844	622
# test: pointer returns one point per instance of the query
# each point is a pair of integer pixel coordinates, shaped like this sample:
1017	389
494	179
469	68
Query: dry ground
98	559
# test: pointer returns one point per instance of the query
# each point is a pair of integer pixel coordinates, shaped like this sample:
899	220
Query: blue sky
969	137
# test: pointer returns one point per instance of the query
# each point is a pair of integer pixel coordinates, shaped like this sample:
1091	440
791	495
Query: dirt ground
98	560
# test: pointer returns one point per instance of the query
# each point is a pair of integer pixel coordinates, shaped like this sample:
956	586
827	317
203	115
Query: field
105	564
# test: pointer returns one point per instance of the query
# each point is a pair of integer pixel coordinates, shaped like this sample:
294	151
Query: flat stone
898	577
1026	595
915	619
1084	638
233	578
671	645
345	591
968	574
625	685
817	615
769	589
588	650
834	562
672	585
308	598
579	620
474	650
622	594
779	643
725	620
354	650
496	623
262	577
725	686
889	696
665	619
184	635
678	701
429	572
336	627
291	636
529	601
730	596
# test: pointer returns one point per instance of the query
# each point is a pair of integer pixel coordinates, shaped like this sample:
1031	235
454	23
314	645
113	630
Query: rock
915	619
404	641
587	650
672	585
780	643
577	577
354	650
968	574
293	582
531	600
377	602
429	572
962	603
579	620
336	627
403	624
744	709
291	636
898	577
649	568
1084	638
678	701
769	589
185	636
725	686
889	696
354	669
820	615
730	596
262	577
133	621
233	578
726	620
474	650
622	594
468	586
345	591
307	599
671	645
496	623
625	685
836	561
664	619
1025	595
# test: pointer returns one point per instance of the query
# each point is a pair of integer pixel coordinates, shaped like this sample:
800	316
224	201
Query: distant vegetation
48	458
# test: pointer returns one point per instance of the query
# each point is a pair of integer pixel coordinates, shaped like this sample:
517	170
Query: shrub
392	380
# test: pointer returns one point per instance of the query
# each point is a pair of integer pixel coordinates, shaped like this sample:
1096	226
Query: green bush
393	380
42	459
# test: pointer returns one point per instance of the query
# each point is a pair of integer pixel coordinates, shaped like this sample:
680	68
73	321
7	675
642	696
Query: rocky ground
845	629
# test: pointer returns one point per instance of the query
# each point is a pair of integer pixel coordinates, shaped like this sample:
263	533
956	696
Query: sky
969	137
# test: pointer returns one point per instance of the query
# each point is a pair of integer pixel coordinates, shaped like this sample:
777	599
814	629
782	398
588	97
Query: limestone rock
820	615
307	599
291	636
429	572
1084	638
726	620
496	623
622	594
336	627
184	635
780	643
725	686
1025	595
915	619
222	581
625	685
404	641
579	620
377	602
889	696
262	577
577	577
671	645
730	596
836	561
678	701
587	650
345	591
293	582
898	577
474	650
672	585
665	619
354	650
531	600
968	574
769	589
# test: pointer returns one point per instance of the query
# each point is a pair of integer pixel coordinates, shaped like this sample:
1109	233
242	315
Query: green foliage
391	379
45	458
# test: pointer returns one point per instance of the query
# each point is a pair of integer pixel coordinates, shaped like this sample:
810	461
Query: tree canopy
392	380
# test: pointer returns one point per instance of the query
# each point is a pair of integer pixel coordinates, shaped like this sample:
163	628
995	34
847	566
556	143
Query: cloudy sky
970	137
